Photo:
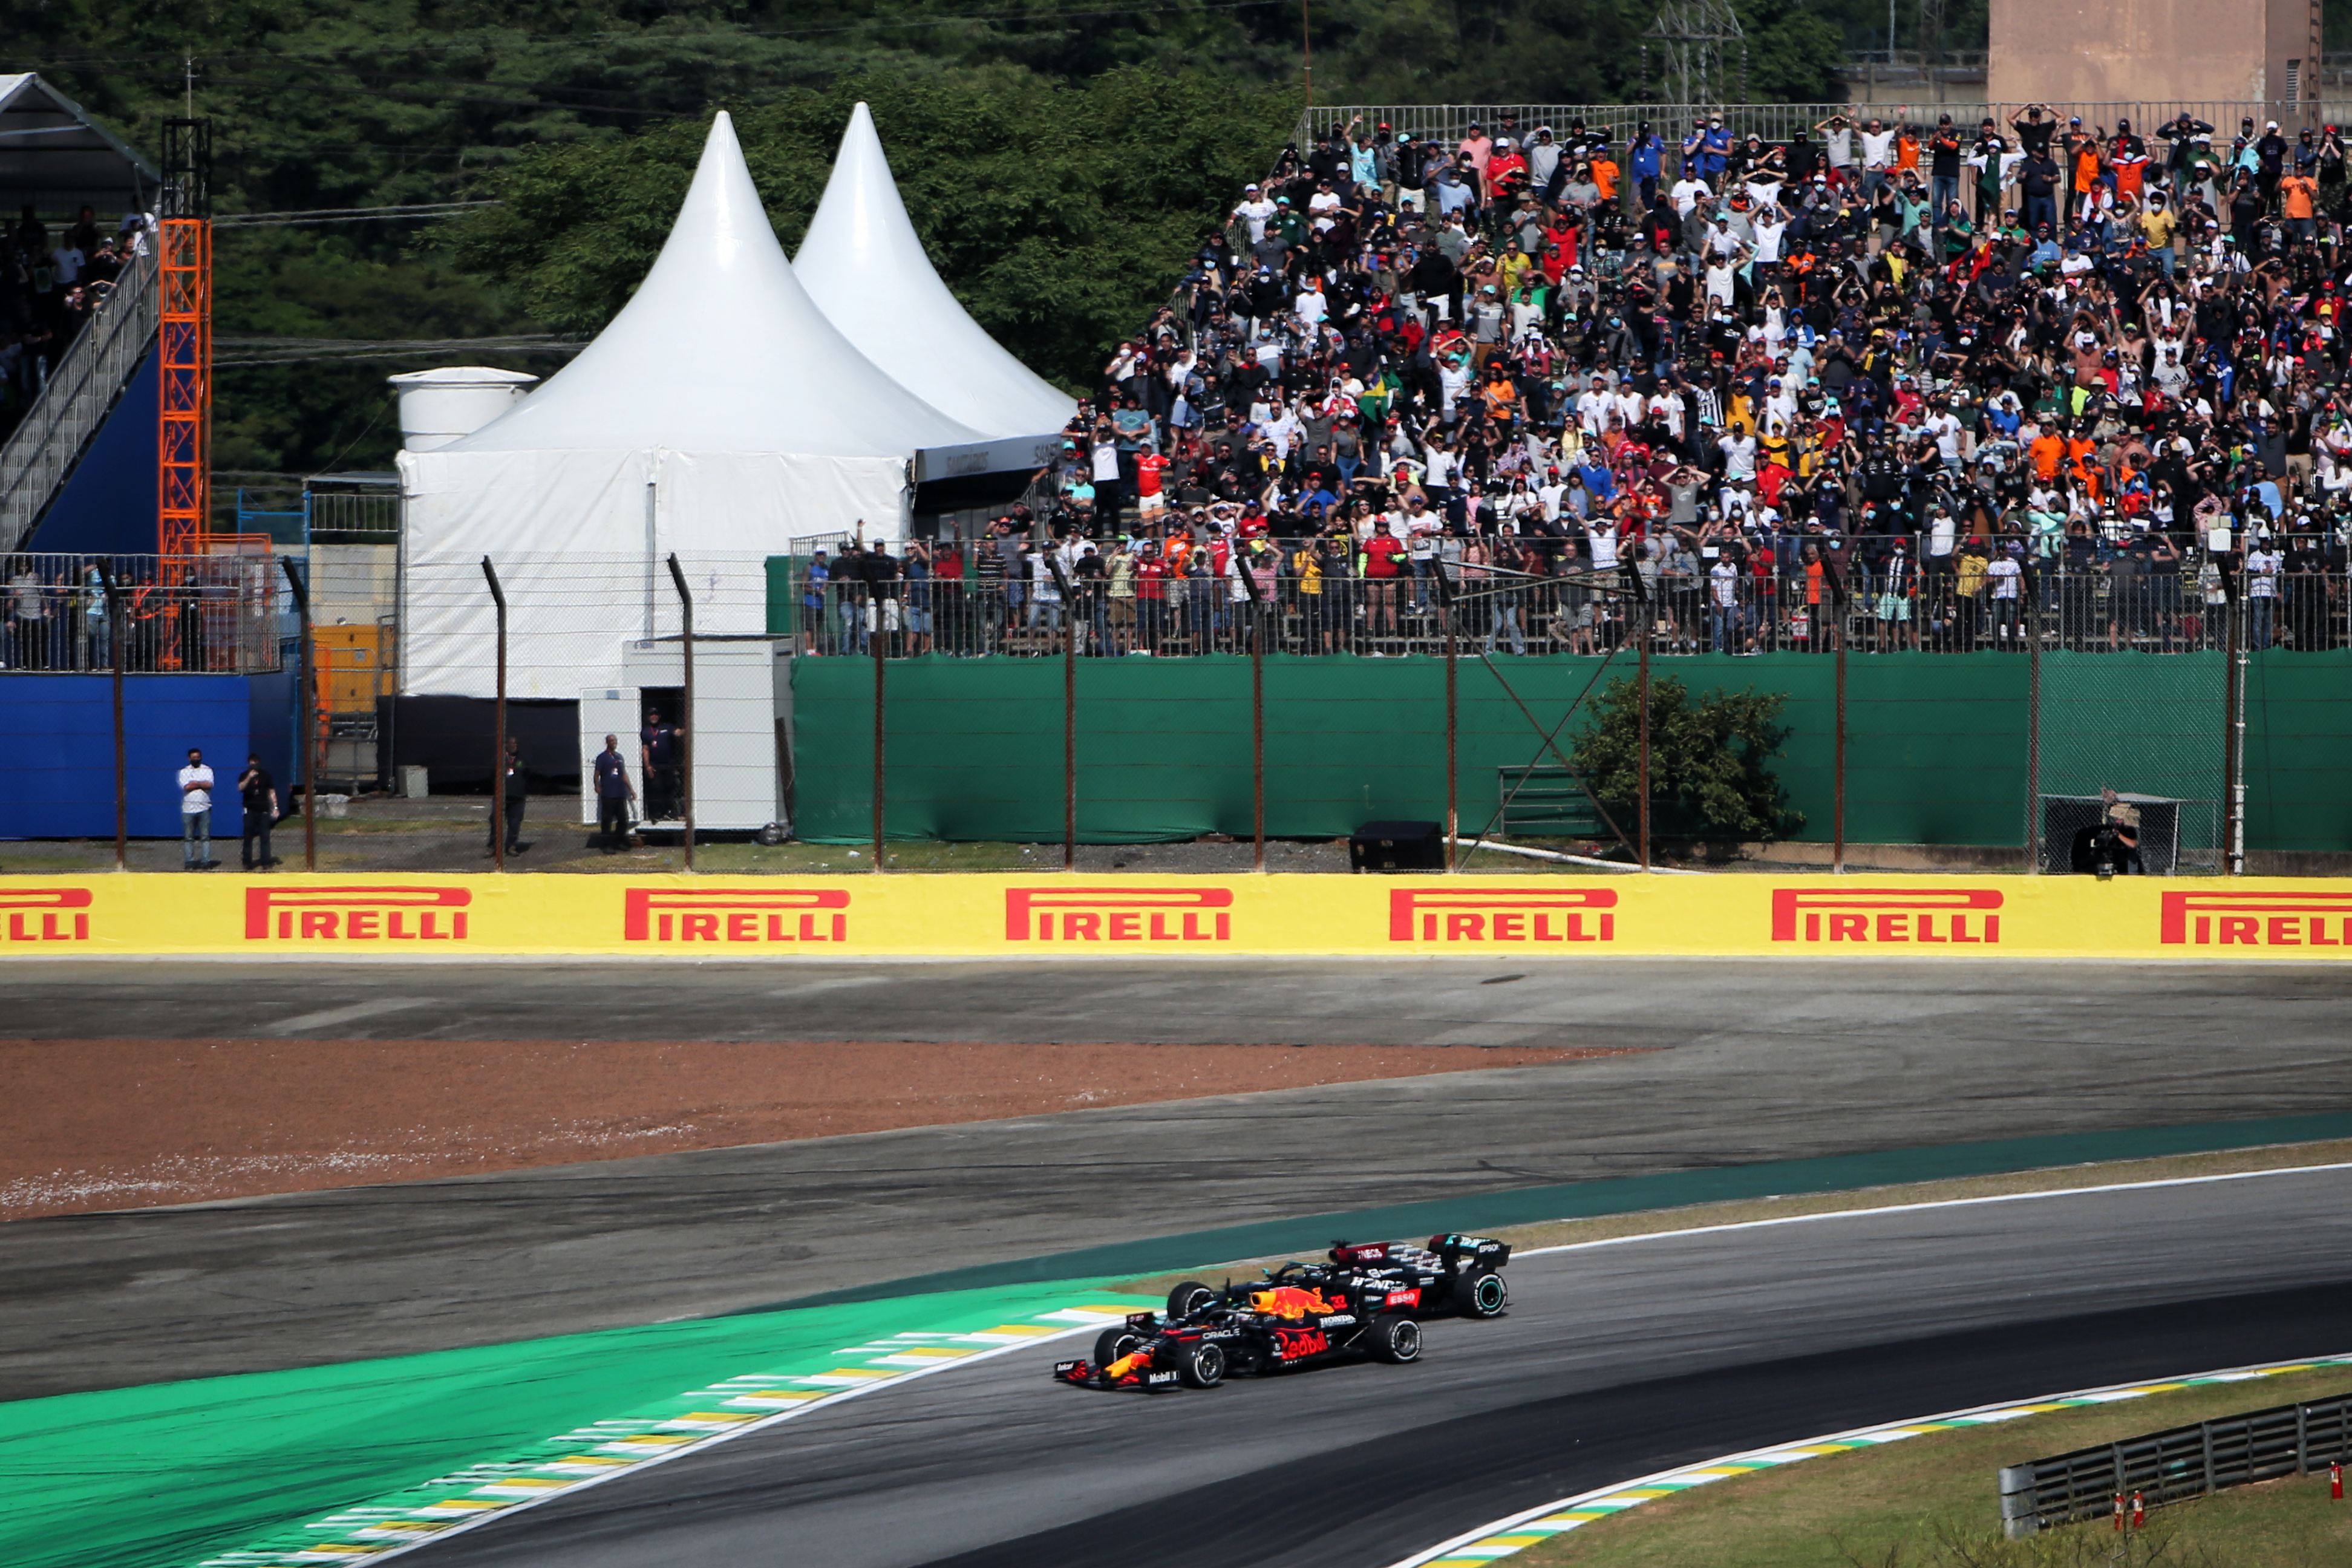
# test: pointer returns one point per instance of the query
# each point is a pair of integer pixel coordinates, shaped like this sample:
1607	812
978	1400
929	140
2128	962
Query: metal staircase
82	389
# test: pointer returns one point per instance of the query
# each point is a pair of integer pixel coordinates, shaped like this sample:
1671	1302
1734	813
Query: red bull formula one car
1275	1326
1454	1273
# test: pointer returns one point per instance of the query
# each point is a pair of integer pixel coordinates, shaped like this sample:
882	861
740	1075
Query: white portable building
868	272
720	415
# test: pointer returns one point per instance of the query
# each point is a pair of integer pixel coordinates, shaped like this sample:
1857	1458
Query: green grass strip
174	1474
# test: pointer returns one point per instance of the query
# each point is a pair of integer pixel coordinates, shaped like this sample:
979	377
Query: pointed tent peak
721	349
862	248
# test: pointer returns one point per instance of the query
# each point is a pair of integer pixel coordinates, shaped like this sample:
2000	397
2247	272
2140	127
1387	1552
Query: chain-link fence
1949	716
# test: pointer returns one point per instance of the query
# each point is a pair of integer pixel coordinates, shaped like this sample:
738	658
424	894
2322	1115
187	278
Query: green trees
1060	213
1708	772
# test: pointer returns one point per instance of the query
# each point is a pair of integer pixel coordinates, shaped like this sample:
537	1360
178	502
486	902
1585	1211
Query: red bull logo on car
1935	915
1481	914
2255	920
1119	914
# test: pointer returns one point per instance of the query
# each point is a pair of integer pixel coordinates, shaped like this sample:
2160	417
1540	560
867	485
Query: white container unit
739	730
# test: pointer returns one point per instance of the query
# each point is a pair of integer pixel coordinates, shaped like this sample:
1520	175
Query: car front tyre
1202	1366
1395	1340
1189	1297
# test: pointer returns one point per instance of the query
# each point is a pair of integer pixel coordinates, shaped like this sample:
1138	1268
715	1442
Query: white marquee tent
866	270
720	415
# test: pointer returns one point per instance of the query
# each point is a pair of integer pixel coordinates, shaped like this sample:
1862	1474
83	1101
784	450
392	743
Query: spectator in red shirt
1383	556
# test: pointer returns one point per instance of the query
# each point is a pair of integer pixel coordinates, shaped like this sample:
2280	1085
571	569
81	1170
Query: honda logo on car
734	914
39	914
1448	914
2255	920
370	913
1886	914
1119	914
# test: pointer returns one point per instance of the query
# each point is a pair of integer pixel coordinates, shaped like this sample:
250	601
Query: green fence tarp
1936	745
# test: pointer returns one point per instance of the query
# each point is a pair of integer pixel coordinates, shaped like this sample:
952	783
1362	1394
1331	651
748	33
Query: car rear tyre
1394	1339
1113	1344
1189	1297
1481	1295
1202	1366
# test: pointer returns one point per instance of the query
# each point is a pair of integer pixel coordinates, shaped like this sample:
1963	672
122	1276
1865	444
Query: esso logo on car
1404	1298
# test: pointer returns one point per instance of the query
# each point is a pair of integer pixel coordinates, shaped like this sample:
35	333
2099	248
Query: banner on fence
1048	916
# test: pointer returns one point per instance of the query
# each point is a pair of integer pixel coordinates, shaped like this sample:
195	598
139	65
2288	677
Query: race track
1614	1362
1747	1061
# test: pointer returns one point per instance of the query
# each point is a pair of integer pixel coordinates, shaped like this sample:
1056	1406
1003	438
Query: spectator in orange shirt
1606	176
2296	195
2049	449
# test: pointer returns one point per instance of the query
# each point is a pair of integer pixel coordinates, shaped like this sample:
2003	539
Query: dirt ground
118	1123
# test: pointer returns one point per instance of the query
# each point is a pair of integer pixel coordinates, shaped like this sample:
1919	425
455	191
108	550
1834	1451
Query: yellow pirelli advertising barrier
402	917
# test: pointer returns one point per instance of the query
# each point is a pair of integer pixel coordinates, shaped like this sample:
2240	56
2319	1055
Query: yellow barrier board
1129	916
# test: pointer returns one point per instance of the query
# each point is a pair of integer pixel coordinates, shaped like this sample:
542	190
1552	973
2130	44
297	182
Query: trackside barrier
2177	1464
353	917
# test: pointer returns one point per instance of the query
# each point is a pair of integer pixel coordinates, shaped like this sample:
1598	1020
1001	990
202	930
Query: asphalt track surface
1748	1061
1613	1362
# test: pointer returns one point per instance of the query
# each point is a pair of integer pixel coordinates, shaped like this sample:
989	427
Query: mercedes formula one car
1277	1326
1456	1274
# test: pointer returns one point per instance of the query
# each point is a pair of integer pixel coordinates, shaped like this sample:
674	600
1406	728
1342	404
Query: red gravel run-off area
108	1124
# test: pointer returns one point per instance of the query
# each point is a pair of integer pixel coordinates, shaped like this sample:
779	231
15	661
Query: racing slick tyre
1393	1339
1481	1295
1115	1342
1189	1297
1201	1366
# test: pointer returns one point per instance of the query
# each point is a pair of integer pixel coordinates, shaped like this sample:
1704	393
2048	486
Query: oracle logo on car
39	914
1887	915
2255	920
371	913
734	914
1118	914
1447	914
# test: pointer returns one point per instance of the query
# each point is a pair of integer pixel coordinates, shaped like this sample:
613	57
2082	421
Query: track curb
1509	1536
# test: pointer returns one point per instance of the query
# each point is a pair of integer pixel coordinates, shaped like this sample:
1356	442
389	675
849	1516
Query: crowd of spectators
51	281
1946	385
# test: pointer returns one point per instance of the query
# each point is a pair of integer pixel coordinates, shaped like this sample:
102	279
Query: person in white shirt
196	814
1687	193
1727	633
1253	211
1877	157
2007	577
2264	563
1312	305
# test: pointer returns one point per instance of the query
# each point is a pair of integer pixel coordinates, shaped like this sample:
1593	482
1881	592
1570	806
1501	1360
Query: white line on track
1949	1202
350	1014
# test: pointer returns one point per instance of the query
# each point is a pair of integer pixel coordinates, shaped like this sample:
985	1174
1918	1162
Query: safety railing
1310	603
2176	1464
81	388
1449	123
207	615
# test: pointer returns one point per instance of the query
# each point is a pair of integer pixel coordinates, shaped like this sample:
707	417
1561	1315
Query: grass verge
1651	1222
1932	1501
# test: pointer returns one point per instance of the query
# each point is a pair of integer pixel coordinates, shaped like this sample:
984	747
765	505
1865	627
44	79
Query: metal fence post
1836	585
1453	722
1069	710
2030	622
880	777
304	703
1258	612
686	731
115	627
498	728
2233	722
